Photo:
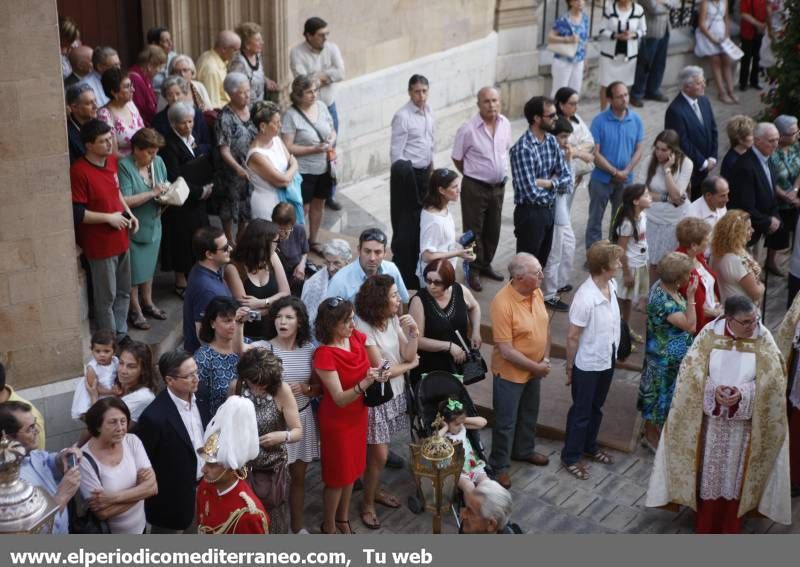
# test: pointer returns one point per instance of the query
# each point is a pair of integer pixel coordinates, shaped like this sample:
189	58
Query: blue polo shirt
202	286
347	281
617	138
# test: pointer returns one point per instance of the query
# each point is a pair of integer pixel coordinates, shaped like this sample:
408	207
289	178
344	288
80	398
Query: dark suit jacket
174	461
698	141
76	147
751	192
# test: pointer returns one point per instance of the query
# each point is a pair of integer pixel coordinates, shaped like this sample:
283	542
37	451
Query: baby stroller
424	399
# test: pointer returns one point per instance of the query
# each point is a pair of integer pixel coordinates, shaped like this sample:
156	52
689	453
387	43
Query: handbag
624	348
271	485
377	394
563	49
81	518
176	195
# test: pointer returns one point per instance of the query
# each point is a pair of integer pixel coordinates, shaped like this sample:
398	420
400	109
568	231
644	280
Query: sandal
154	312
179	290
370	519
577	470
385	499
601	457
350	531
138	321
316	248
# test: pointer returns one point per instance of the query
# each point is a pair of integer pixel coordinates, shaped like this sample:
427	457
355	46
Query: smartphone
126	214
384	368
72	461
254	315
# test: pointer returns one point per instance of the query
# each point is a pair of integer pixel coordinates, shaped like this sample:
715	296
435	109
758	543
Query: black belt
536	206
485	184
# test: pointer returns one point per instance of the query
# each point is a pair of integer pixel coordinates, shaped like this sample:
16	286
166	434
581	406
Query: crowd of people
284	363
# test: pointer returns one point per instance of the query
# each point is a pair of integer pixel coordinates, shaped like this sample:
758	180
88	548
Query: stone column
517	55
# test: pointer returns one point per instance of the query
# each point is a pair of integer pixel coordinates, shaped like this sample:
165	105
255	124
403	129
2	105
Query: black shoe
566	289
556	304
492	275
637	102
333	204
395	461
742	88
124	341
657	97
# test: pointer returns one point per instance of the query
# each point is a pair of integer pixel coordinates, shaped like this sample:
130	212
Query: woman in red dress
343	366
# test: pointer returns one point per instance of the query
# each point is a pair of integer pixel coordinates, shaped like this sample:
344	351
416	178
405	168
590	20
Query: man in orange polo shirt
519	361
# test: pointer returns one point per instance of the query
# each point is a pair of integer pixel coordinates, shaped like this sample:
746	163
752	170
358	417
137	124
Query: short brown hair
692	230
601	254
372	300
95	414
283	214
445	270
739	127
300	84
147	138
674	268
151	55
260	367
330	313
246	30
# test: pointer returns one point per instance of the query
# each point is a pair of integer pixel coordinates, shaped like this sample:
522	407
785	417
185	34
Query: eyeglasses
372	234
750	323
228	246
550	116
433	282
334	302
33	427
189	376
335	263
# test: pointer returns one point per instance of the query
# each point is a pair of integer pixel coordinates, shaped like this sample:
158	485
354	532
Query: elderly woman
572	28
785	163
142	178
290	340
278	420
136	378
592	337
116	475
176	89
693	237
391	338
292	246
223	343
183	66
622	27
149	63
343	366
737	270
234	132
440	309
309	134
740	130
269	163
337	254
671	324
248	60
255	275
180	223
120	113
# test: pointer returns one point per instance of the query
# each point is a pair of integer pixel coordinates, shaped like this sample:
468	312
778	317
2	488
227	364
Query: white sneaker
302	531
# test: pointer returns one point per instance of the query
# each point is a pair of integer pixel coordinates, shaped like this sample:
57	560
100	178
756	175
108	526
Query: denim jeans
650	66
599	196
516	409
589	391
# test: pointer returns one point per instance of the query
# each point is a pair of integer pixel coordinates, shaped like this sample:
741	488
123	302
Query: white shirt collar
182	405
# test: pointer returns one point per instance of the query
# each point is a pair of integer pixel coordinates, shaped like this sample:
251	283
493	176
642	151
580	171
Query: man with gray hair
82	107
692	117
103	59
519	361
212	66
487	509
753	182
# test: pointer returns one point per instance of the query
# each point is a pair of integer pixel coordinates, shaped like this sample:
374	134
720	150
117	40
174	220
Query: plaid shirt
532	160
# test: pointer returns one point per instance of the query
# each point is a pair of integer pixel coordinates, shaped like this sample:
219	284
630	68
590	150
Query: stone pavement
546	499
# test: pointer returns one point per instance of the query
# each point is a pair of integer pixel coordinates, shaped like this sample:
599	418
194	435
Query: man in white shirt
320	58
411	155
171	430
711	206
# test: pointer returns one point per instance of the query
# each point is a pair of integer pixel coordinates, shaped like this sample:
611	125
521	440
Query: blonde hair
691	230
674	268
601	254
730	233
247	30
739	127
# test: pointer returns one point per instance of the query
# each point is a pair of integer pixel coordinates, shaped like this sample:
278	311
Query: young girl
455	429
629	231
101	374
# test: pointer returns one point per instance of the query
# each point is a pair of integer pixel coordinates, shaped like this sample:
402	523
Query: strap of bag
308	120
96	469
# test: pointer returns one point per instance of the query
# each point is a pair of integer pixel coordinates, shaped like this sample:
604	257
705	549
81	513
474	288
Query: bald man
479	153
753	181
81	60
212	66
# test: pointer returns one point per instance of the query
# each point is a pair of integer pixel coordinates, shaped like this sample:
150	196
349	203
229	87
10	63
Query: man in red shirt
753	24
103	219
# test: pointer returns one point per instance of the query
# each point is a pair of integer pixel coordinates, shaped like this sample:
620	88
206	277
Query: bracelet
450	346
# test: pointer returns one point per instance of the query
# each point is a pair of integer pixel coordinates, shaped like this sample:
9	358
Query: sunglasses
228	246
334	302
429	281
372	234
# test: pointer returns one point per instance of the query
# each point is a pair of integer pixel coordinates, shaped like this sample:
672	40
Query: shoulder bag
81	519
270	484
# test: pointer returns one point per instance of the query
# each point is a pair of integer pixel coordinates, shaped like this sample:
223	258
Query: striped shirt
532	159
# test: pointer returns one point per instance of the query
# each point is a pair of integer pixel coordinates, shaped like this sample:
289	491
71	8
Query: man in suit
692	117
752	183
171	431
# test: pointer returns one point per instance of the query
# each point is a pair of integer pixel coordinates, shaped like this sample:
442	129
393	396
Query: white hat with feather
231	437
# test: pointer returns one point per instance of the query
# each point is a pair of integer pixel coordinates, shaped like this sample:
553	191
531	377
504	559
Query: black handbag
81	519
624	347
378	393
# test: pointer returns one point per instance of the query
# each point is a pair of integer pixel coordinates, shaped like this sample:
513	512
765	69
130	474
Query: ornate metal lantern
23	508
436	464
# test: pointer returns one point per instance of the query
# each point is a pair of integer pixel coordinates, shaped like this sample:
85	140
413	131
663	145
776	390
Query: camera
254	315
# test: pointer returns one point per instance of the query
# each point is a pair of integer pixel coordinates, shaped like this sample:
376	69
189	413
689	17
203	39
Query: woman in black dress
255	275
184	157
440	309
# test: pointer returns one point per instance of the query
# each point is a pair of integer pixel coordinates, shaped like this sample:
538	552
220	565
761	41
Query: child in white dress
100	376
455	429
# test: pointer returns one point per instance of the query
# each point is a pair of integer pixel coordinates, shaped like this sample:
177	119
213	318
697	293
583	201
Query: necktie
696	108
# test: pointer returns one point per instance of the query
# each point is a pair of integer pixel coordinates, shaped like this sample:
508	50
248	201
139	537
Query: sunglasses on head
372	234
334	302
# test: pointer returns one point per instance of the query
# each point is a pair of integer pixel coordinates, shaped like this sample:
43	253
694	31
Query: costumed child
100	375
455	428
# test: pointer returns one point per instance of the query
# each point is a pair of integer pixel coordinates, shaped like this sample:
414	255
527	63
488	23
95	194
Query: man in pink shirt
479	153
